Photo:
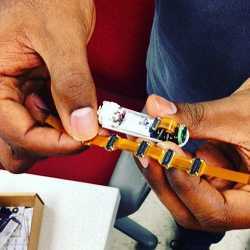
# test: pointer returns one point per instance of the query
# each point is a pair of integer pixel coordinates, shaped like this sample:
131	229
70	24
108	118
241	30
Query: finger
211	153
18	128
12	161
40	112
208	120
37	108
72	86
239	209
204	201
156	176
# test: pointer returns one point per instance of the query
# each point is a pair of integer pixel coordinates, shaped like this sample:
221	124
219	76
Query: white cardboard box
77	216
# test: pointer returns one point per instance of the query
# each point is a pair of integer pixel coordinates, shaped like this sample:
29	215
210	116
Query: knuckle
194	113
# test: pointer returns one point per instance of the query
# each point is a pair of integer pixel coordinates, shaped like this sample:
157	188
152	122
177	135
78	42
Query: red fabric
117	53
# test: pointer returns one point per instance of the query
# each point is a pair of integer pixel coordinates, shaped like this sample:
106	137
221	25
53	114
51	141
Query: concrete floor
157	219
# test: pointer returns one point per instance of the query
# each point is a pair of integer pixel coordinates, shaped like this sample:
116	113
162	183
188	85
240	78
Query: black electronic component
142	149
155	125
167	158
162	135
111	142
195	168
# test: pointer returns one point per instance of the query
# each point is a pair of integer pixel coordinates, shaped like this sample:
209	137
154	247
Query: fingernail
84	124
144	162
169	107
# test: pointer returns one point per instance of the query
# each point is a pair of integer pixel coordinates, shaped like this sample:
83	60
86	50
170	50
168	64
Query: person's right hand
44	40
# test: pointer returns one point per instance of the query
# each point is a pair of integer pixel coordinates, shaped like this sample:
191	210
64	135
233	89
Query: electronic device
119	119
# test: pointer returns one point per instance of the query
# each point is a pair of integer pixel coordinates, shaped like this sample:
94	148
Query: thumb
205	120
72	85
75	99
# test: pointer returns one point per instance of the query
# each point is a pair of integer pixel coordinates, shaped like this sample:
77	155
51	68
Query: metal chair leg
145	239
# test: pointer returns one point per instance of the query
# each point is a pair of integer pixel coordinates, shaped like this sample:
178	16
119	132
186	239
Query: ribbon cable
166	158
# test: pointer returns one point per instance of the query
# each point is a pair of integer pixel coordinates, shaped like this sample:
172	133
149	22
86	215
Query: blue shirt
199	49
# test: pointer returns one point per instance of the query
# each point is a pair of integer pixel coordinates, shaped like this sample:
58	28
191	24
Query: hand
44	42
205	203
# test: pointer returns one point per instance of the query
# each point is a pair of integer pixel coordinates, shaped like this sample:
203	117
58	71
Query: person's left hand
207	203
